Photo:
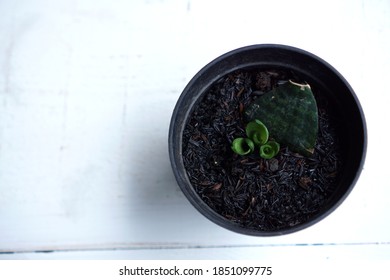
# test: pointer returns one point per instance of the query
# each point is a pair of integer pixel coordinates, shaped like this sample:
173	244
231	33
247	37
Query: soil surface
265	195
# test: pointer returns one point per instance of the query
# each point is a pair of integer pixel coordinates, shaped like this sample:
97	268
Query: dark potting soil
265	195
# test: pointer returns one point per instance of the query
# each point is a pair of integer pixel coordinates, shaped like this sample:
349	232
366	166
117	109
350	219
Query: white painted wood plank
272	254
86	94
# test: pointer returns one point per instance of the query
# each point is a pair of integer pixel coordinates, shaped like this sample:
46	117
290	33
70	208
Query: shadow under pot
267	140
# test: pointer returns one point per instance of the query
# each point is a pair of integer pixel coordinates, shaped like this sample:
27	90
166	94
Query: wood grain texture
87	90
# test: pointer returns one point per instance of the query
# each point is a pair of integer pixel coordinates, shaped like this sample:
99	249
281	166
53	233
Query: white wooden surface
87	89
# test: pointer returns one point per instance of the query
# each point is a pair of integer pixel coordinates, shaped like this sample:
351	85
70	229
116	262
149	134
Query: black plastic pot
308	66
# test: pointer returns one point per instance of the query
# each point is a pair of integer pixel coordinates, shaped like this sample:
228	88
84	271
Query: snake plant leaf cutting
291	115
257	131
243	146
269	150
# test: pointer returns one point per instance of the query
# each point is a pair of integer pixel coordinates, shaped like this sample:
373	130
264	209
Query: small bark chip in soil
265	195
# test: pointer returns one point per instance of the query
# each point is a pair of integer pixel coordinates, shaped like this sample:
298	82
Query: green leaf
243	146
290	113
257	131
275	146
269	150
